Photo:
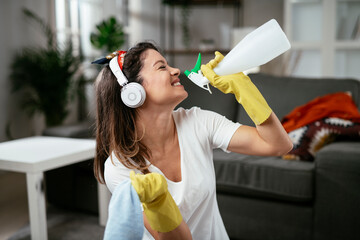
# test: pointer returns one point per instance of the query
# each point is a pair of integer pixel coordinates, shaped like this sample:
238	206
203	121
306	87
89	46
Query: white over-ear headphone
132	94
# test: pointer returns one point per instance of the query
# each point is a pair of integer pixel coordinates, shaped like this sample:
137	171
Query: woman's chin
182	98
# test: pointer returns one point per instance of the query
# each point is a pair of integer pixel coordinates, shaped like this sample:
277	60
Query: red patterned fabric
309	139
325	119
338	105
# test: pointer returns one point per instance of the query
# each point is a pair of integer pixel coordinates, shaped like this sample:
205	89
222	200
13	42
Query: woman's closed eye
162	67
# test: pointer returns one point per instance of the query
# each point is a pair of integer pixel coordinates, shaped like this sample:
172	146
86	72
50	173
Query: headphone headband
116	65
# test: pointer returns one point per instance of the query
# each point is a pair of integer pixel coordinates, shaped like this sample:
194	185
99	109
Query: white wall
16	33
257	12
144	24
146	18
205	23
144	21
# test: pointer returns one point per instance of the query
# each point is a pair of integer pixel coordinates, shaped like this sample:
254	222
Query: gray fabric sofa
272	198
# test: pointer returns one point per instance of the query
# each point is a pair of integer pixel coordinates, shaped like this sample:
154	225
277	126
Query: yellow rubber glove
159	207
241	86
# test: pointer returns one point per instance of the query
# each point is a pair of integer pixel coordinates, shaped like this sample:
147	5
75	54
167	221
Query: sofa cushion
269	177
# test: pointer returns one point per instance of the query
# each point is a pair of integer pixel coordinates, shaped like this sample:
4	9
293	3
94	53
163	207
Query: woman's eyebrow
159	61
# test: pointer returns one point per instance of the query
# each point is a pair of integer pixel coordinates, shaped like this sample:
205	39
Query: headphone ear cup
133	95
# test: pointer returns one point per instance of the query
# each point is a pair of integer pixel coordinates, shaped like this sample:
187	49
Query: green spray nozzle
196	68
196	76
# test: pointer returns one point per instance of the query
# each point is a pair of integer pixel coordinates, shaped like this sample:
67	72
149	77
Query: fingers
132	175
208	73
148	186
218	58
138	186
207	69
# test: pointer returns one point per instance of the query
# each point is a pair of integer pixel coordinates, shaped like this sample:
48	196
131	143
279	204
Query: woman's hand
149	187
162	217
160	208
241	86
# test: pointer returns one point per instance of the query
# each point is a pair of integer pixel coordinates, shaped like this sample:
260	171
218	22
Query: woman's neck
157	128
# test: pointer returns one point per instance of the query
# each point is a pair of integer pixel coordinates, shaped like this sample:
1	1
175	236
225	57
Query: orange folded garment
339	105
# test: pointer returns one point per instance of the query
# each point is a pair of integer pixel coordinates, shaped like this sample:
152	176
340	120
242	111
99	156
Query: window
76	19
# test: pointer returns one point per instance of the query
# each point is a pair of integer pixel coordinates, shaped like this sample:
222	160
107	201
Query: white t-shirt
199	132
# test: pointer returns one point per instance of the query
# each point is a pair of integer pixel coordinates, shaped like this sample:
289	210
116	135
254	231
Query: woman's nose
175	71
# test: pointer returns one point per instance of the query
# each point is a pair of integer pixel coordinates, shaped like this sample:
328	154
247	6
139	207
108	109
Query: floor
62	224
13	203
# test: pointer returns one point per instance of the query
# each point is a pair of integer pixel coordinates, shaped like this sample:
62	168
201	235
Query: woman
177	144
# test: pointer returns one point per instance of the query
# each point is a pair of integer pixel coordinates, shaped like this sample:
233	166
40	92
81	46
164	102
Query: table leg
104	196
37	208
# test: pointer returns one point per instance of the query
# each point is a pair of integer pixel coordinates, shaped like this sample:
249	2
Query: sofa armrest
340	156
337	208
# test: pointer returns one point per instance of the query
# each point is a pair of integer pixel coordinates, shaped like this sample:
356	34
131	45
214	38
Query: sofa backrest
285	93
282	93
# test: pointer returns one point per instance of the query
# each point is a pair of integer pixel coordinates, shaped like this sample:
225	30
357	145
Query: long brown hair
115	122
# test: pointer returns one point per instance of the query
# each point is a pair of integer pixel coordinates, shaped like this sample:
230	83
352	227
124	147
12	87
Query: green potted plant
45	76
109	35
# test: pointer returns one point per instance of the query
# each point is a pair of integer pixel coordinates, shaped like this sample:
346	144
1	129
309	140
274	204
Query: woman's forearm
272	132
182	232
267	139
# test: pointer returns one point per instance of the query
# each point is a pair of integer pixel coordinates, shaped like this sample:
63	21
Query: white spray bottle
257	48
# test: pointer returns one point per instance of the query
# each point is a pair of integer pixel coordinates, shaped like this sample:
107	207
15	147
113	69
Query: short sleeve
219	129
115	172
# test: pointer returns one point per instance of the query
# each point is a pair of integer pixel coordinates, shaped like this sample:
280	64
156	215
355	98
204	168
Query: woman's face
161	82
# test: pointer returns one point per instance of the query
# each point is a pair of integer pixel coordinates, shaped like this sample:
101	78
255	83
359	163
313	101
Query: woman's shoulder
182	110
115	172
191	112
194	113
112	162
184	117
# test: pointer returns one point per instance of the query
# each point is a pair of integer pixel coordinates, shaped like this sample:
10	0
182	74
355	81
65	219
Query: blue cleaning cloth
125	220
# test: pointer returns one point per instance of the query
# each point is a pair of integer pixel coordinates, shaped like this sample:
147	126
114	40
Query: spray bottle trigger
196	68
196	76
200	80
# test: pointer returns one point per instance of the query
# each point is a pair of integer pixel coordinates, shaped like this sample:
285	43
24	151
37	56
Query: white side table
34	156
